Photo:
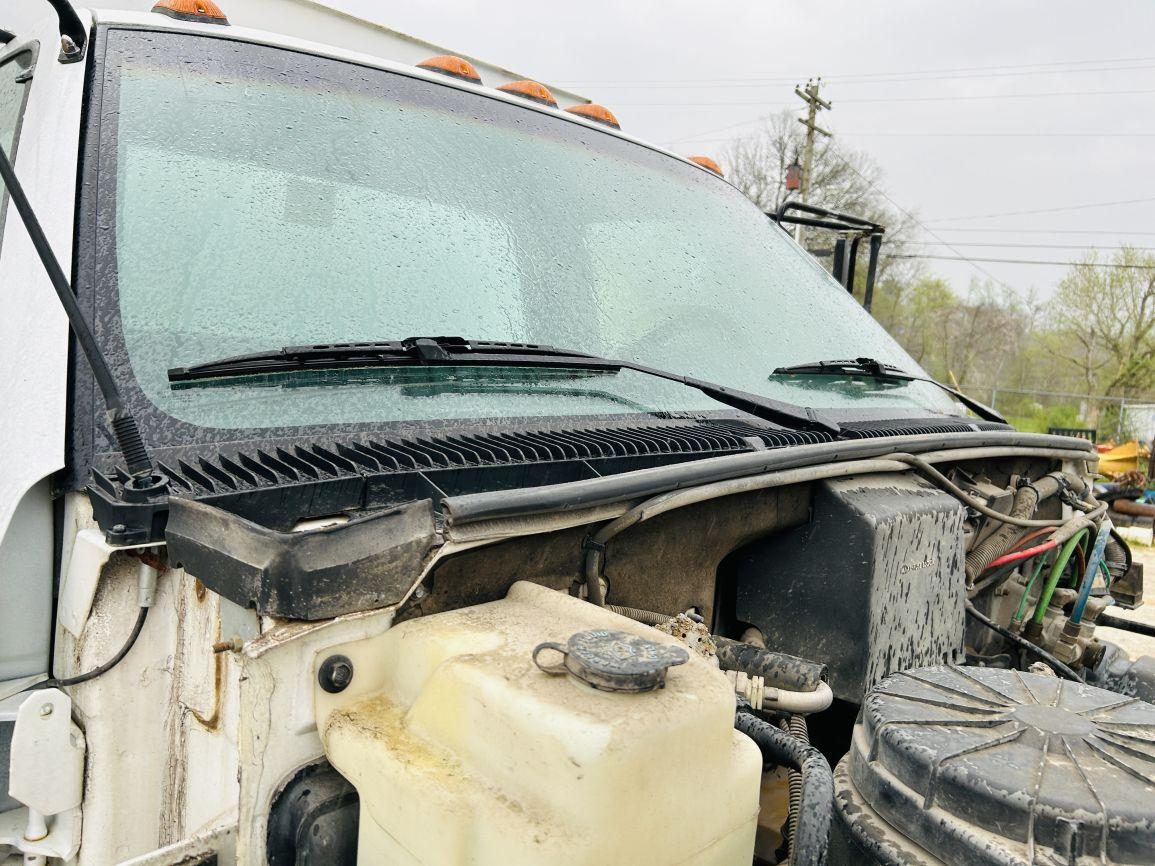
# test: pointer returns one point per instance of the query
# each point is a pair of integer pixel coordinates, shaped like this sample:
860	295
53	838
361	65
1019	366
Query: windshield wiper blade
879	370
457	351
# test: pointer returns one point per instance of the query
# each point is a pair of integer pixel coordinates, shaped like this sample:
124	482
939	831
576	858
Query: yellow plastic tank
464	752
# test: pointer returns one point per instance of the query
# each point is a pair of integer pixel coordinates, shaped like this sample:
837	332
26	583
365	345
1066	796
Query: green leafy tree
1103	321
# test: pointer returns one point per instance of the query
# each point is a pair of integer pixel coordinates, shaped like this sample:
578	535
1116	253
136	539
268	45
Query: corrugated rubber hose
1026	502
811	833
796	727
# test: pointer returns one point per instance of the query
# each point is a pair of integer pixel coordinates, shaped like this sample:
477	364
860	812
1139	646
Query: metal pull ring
551	669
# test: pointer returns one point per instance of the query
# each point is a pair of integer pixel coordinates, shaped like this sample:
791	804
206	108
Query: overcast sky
942	159
1066	115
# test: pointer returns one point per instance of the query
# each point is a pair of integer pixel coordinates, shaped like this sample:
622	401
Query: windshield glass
262	198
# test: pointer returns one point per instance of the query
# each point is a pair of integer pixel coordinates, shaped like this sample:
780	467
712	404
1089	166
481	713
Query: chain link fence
1112	419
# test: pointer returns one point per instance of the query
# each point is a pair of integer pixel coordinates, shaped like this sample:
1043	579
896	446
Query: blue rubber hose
1092	570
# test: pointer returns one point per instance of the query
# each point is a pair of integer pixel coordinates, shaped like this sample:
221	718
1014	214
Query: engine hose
811	821
1110	621
796	727
778	670
1094	511
1091	572
1027	499
1117	554
1053	578
649	617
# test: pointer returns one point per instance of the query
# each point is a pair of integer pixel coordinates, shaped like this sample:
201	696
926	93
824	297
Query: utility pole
814	104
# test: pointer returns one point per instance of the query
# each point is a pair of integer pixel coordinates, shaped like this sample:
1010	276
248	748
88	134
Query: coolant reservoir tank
464	751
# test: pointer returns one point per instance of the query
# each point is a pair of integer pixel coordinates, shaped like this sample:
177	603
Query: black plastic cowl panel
368	562
279	481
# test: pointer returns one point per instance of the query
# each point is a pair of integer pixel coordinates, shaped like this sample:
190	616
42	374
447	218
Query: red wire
1020	555
1029	537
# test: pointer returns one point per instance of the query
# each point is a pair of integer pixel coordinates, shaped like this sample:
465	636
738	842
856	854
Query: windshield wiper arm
457	351
878	370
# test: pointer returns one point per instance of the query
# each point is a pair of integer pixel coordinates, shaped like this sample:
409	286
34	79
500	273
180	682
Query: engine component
1119	672
779	670
810	816
464	752
983	767
1026	501
313	821
753	690
872	584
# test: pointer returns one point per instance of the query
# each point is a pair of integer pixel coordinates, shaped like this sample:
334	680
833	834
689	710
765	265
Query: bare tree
843	180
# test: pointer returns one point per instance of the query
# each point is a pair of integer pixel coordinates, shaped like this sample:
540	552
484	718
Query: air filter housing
977	767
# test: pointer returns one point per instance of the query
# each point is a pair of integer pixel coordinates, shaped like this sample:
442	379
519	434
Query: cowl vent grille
258	465
881	429
279	482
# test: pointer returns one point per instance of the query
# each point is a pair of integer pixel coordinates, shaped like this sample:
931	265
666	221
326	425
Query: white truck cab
404	464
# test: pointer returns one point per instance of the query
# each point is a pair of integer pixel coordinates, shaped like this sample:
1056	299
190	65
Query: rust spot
199	589
212	721
152	557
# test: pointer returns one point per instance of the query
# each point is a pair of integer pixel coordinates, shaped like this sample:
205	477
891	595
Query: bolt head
45	711
336	674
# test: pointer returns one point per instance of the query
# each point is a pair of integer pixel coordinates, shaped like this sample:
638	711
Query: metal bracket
47	776
73	33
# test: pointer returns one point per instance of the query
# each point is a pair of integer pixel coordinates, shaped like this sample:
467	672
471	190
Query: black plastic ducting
871	584
313	821
969	766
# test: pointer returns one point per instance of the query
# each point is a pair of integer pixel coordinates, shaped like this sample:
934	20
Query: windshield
261	198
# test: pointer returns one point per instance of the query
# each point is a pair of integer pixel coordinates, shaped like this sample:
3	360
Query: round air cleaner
977	767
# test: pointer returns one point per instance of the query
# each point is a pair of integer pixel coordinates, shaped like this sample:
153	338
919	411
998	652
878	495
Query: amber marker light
706	162
454	67
530	90
199	11
598	113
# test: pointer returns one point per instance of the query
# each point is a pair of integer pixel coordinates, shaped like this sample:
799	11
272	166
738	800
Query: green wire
1030	583
1053	578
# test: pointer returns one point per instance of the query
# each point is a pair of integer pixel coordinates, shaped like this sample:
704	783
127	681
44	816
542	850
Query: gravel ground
1135	644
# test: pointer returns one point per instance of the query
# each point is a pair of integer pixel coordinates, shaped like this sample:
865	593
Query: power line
1054	93
796	78
1044	210
704	84
914	134
701	140
1047	231
759	119
837	151
1027	262
1026	246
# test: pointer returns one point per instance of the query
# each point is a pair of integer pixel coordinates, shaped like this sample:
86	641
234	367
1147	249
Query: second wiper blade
450	351
879	370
